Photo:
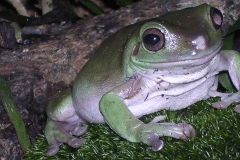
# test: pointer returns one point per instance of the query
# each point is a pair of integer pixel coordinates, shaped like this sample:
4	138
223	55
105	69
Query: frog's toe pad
157	145
75	142
78	131
153	141
52	150
220	105
188	131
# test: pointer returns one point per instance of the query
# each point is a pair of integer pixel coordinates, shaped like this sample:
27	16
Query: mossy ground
218	137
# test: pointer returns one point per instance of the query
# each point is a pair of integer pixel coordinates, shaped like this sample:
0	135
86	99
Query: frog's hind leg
63	123
226	99
230	61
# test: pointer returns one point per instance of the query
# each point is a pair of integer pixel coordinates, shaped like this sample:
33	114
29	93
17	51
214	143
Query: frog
165	63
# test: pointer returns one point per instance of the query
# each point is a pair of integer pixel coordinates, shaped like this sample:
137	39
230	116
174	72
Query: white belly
173	102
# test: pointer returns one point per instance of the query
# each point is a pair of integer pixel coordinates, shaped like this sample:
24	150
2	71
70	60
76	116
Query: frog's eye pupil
153	39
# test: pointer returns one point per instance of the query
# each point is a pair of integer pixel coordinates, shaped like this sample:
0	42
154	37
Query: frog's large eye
217	17
153	39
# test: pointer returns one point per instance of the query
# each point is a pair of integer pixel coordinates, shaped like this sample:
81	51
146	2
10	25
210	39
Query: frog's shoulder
111	58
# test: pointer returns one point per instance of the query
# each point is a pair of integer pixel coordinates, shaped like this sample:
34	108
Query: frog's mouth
181	63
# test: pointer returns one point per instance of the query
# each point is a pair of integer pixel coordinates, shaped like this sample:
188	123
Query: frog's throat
162	65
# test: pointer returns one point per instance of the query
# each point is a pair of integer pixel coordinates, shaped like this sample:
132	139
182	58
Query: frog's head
187	37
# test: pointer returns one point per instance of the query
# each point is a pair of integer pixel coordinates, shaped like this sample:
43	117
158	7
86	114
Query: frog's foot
57	133
219	94
150	133
226	99
220	105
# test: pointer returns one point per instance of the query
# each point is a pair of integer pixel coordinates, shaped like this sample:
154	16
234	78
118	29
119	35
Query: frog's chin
182	63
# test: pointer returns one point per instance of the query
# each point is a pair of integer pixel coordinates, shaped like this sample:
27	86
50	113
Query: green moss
217	138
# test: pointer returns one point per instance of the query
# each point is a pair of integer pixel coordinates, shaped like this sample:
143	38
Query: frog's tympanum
169	62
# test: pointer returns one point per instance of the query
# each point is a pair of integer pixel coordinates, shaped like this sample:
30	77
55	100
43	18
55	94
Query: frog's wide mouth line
190	62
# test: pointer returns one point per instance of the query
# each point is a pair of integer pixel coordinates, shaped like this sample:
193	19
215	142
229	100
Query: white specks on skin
194	53
173	38
200	43
164	85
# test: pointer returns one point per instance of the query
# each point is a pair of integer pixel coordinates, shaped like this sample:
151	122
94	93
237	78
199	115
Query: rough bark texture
37	72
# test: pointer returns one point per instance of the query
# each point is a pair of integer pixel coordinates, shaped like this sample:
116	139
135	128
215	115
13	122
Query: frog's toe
220	105
157	145
78	131
52	150
159	118
75	142
188	131
154	141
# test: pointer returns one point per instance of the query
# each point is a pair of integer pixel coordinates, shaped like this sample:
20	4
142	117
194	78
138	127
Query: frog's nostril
136	49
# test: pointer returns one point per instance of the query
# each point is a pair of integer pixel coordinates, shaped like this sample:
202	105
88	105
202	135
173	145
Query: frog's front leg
63	123
230	61
124	123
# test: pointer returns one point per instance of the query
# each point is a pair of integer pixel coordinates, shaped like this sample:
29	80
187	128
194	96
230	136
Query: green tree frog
169	62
